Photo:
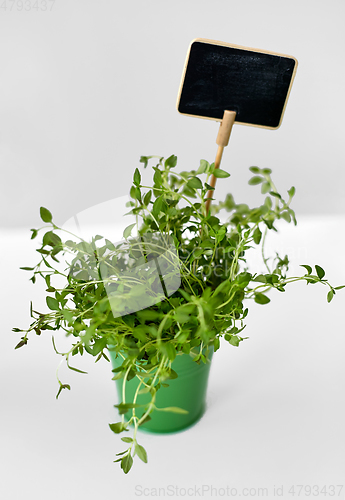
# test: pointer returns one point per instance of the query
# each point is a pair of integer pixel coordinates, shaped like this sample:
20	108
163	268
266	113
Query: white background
87	88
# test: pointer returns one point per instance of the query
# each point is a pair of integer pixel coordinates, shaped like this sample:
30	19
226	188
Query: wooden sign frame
276	85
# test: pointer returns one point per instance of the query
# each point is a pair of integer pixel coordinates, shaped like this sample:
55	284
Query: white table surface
276	404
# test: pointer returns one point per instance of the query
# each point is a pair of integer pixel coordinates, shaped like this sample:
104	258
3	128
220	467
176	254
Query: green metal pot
187	391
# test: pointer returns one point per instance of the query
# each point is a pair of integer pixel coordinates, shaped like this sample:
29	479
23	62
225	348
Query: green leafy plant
212	298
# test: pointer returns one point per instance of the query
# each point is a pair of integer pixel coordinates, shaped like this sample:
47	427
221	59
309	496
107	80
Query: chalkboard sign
219	76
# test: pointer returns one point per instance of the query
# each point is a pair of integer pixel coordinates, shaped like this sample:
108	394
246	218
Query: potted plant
158	304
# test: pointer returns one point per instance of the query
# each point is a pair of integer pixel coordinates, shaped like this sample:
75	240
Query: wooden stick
222	141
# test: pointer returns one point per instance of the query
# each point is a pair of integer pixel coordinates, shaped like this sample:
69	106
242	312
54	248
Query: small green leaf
157	206
198	252
272	278
127	440
128	230
121	453
171	162
268	202
312	280
149	315
75	369
141	452
330	295
173	409
255	170
265	187
292	191
27	268
52	303
293	216
222	287
157	177
204	165
216	344
124	407
339	287
99	345
194	183
62	386
260	298
234	340
126	463
219	173
136	177
185	295
147	198
46	216
169	350
261	278
277	195
51	239
172	374
182	313
146	419
144	160
23	342
308	268
320	272
286	216
255	180
257	235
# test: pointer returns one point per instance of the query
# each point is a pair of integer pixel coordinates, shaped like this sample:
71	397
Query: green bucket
187	391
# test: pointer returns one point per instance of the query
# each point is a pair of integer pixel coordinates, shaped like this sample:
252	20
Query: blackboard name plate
219	76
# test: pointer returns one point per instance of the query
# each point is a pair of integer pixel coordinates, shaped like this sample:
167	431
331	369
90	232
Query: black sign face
219	77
